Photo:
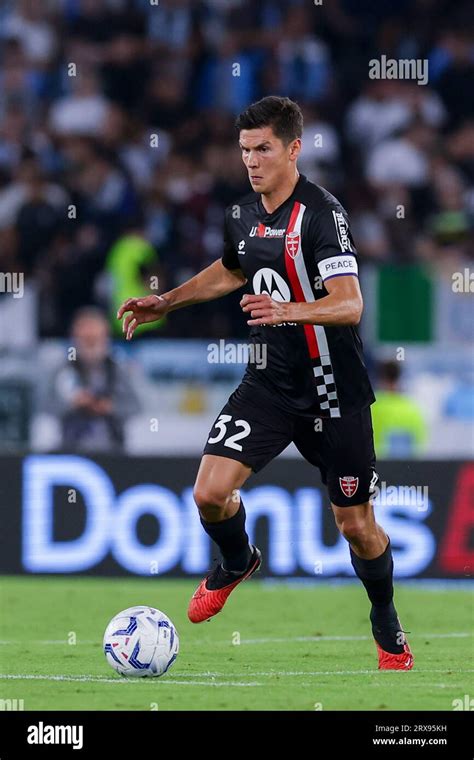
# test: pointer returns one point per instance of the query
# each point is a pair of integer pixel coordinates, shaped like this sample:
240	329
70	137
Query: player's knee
211	500
355	530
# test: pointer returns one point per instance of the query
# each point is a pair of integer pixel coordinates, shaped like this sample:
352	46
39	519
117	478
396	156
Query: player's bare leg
222	514
371	557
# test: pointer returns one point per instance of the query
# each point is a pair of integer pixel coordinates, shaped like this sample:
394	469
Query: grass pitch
273	647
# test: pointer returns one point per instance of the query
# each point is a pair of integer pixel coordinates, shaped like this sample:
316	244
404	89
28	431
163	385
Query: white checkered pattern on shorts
326	387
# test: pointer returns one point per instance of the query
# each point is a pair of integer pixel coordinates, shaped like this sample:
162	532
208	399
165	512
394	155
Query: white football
141	642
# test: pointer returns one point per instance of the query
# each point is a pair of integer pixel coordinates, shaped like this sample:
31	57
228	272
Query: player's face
267	159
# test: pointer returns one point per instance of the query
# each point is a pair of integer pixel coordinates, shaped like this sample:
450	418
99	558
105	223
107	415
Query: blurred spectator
230	76
450	221
77	255
402	161
368	228
320	150
459	404
13	127
388	106
457	77
126	68
303	58
128	262
106	196
42	203
84	110
399	426
28	22
460	150
39	216
92	394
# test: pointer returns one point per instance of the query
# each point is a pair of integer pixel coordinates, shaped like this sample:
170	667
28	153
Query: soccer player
289	239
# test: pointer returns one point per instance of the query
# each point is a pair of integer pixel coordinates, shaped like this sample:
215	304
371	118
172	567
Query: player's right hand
141	310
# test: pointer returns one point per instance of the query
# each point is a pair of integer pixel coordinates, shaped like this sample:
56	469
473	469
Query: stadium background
117	158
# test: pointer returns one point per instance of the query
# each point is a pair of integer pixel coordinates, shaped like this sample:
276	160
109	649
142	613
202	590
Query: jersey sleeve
332	243
230	257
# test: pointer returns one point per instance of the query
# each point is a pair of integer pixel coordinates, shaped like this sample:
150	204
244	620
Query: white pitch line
48	642
211	676
269	640
325	672
350	638
439	685
100	679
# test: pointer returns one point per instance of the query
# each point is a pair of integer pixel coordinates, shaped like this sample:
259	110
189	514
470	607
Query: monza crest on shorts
292	243
349	485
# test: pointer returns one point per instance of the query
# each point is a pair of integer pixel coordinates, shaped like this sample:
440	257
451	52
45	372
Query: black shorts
252	430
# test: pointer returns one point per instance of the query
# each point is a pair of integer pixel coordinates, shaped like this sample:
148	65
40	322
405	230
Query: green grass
269	670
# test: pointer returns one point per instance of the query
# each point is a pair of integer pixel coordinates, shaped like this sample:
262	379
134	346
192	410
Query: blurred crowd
118	152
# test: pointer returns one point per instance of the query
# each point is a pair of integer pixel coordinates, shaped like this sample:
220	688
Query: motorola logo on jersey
268	281
266	232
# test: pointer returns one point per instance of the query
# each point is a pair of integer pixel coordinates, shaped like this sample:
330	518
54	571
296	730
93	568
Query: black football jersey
290	254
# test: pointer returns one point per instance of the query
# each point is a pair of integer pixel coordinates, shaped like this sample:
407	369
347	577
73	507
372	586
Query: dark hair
389	371
88	312
281	114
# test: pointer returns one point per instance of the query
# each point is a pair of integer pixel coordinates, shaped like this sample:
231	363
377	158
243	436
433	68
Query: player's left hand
263	310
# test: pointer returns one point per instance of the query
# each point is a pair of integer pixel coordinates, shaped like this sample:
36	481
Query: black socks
232	540
386	628
377	576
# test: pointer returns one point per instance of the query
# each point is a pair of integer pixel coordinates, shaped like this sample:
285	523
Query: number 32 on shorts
221	424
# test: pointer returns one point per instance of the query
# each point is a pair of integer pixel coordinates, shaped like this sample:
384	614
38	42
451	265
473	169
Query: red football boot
390	661
205	602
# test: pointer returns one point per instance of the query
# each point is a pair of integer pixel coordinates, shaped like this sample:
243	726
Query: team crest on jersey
349	485
292	244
